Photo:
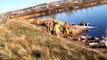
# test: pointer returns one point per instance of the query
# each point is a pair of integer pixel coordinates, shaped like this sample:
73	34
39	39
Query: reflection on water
95	15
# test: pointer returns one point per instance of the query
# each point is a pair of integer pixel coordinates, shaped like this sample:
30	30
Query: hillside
20	41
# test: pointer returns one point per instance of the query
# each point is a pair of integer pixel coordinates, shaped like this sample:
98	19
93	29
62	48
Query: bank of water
97	16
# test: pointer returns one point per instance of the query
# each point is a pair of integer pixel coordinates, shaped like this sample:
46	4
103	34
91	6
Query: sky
9	5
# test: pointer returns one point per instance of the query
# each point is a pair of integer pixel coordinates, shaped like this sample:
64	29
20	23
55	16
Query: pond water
95	15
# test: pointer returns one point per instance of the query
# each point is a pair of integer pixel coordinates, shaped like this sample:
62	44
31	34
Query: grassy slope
18	41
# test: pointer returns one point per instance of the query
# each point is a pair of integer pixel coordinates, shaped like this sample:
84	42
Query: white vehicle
84	26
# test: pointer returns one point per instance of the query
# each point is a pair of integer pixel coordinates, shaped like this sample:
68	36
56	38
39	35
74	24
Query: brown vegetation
19	42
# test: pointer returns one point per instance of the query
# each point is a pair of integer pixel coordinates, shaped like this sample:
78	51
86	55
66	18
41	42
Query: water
95	15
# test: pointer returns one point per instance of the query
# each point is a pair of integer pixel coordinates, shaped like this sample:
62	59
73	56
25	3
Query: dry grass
19	42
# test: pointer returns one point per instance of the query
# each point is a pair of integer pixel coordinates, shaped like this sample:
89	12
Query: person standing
57	29
66	28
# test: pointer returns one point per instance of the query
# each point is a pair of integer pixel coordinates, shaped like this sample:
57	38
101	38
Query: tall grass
18	41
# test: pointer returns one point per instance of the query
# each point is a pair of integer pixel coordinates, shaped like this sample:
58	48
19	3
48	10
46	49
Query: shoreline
52	10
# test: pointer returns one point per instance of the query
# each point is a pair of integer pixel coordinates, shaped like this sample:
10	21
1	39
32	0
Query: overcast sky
8	5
